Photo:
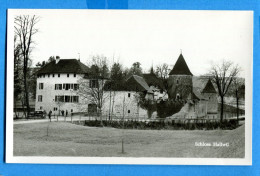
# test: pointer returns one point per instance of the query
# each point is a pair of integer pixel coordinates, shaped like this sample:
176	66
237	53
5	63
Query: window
40	85
59	98
75	99
75	74
48	75
68	75
128	111
66	86
40	107
93	83
43	75
53	75
58	75
177	81
39	98
129	94
58	86
55	109
67	98
76	87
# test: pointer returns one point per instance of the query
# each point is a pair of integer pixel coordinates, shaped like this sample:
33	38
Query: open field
66	139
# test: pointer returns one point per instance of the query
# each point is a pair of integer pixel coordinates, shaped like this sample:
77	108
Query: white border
118	160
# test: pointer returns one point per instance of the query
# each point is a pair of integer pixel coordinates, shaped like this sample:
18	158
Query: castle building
57	84
180	80
201	100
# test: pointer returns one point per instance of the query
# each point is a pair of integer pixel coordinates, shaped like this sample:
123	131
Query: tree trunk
237	106
26	91
100	115
222	109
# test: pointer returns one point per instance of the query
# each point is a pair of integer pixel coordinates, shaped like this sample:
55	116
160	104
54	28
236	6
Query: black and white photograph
129	87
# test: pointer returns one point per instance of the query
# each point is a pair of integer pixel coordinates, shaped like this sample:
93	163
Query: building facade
57	86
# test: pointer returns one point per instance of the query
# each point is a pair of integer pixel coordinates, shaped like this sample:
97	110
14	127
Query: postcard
129	87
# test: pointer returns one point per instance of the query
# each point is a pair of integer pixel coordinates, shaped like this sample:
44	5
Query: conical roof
209	88
180	67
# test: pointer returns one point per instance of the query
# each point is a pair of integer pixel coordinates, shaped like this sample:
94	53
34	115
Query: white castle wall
48	93
131	108
130	105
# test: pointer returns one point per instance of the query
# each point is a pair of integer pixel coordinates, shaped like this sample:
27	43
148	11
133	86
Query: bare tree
223	75
91	86
239	92
162	71
25	30
136	69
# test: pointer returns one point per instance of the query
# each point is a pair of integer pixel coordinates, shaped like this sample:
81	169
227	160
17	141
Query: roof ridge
64	66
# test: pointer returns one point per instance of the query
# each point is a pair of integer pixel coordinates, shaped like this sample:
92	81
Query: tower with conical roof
180	80
209	93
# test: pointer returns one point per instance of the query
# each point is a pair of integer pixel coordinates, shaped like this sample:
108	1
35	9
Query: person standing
50	112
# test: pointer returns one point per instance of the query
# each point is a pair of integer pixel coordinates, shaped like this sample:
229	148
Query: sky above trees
148	37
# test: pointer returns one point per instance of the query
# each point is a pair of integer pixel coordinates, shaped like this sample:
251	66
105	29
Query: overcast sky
149	37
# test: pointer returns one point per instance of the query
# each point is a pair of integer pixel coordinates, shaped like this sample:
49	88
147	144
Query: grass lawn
66	139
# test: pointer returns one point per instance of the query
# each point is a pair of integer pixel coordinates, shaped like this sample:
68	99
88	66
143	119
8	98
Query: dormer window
53	75
75	74
68	75
58	75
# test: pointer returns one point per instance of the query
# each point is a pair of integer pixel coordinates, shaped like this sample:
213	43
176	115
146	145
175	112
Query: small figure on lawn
50	115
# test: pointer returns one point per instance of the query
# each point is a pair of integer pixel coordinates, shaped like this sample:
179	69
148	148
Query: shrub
168	108
191	124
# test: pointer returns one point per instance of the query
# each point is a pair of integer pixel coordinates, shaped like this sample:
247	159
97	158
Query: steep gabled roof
180	67
152	80
209	88
136	83
64	66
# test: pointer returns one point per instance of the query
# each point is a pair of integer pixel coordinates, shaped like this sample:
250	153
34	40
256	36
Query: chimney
57	59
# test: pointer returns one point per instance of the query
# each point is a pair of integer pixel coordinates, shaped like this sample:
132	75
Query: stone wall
179	85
